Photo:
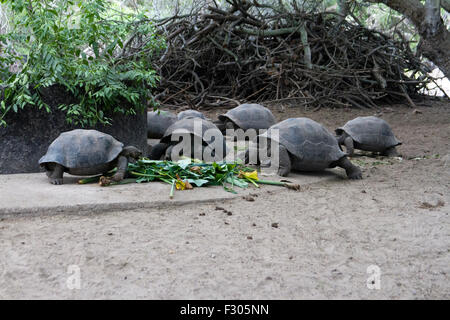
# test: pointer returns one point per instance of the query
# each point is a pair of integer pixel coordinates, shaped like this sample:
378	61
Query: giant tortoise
83	152
370	134
305	145
200	139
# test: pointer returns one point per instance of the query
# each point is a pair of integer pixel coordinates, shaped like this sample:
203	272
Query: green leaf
183	164
95	48
236	181
198	182
54	47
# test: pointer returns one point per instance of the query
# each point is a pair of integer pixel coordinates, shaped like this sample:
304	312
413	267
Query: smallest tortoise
190	114
369	134
83	152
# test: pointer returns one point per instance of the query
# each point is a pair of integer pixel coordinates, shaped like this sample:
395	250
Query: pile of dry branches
255	52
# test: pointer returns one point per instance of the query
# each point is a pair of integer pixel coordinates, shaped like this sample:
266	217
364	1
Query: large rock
30	131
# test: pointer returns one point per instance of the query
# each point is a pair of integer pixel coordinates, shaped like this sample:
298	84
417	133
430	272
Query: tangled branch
254	52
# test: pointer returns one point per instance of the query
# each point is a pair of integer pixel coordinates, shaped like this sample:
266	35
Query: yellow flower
182	185
249	175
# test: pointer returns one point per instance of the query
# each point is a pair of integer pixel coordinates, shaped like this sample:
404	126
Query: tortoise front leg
168	154
220	125
348	141
251	156
55	174
353	172
122	166
158	151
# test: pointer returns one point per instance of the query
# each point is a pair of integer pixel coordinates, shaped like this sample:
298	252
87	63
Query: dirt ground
386	236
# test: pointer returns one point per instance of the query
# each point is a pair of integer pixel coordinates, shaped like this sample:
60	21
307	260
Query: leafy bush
101	55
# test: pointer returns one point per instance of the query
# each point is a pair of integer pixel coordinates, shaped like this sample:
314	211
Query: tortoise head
220	125
132	152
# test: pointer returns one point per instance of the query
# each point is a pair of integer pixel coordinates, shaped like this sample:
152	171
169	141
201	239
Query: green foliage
187	173
101	55
195	172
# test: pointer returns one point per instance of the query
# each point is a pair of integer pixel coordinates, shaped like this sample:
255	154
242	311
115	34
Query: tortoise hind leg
55	174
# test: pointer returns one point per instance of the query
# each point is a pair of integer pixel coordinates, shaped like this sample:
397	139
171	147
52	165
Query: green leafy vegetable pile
195	173
186	173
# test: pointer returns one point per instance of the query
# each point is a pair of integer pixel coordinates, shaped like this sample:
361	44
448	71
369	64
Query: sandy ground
336	239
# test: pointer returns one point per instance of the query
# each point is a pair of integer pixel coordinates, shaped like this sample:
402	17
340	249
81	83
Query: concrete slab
31	194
